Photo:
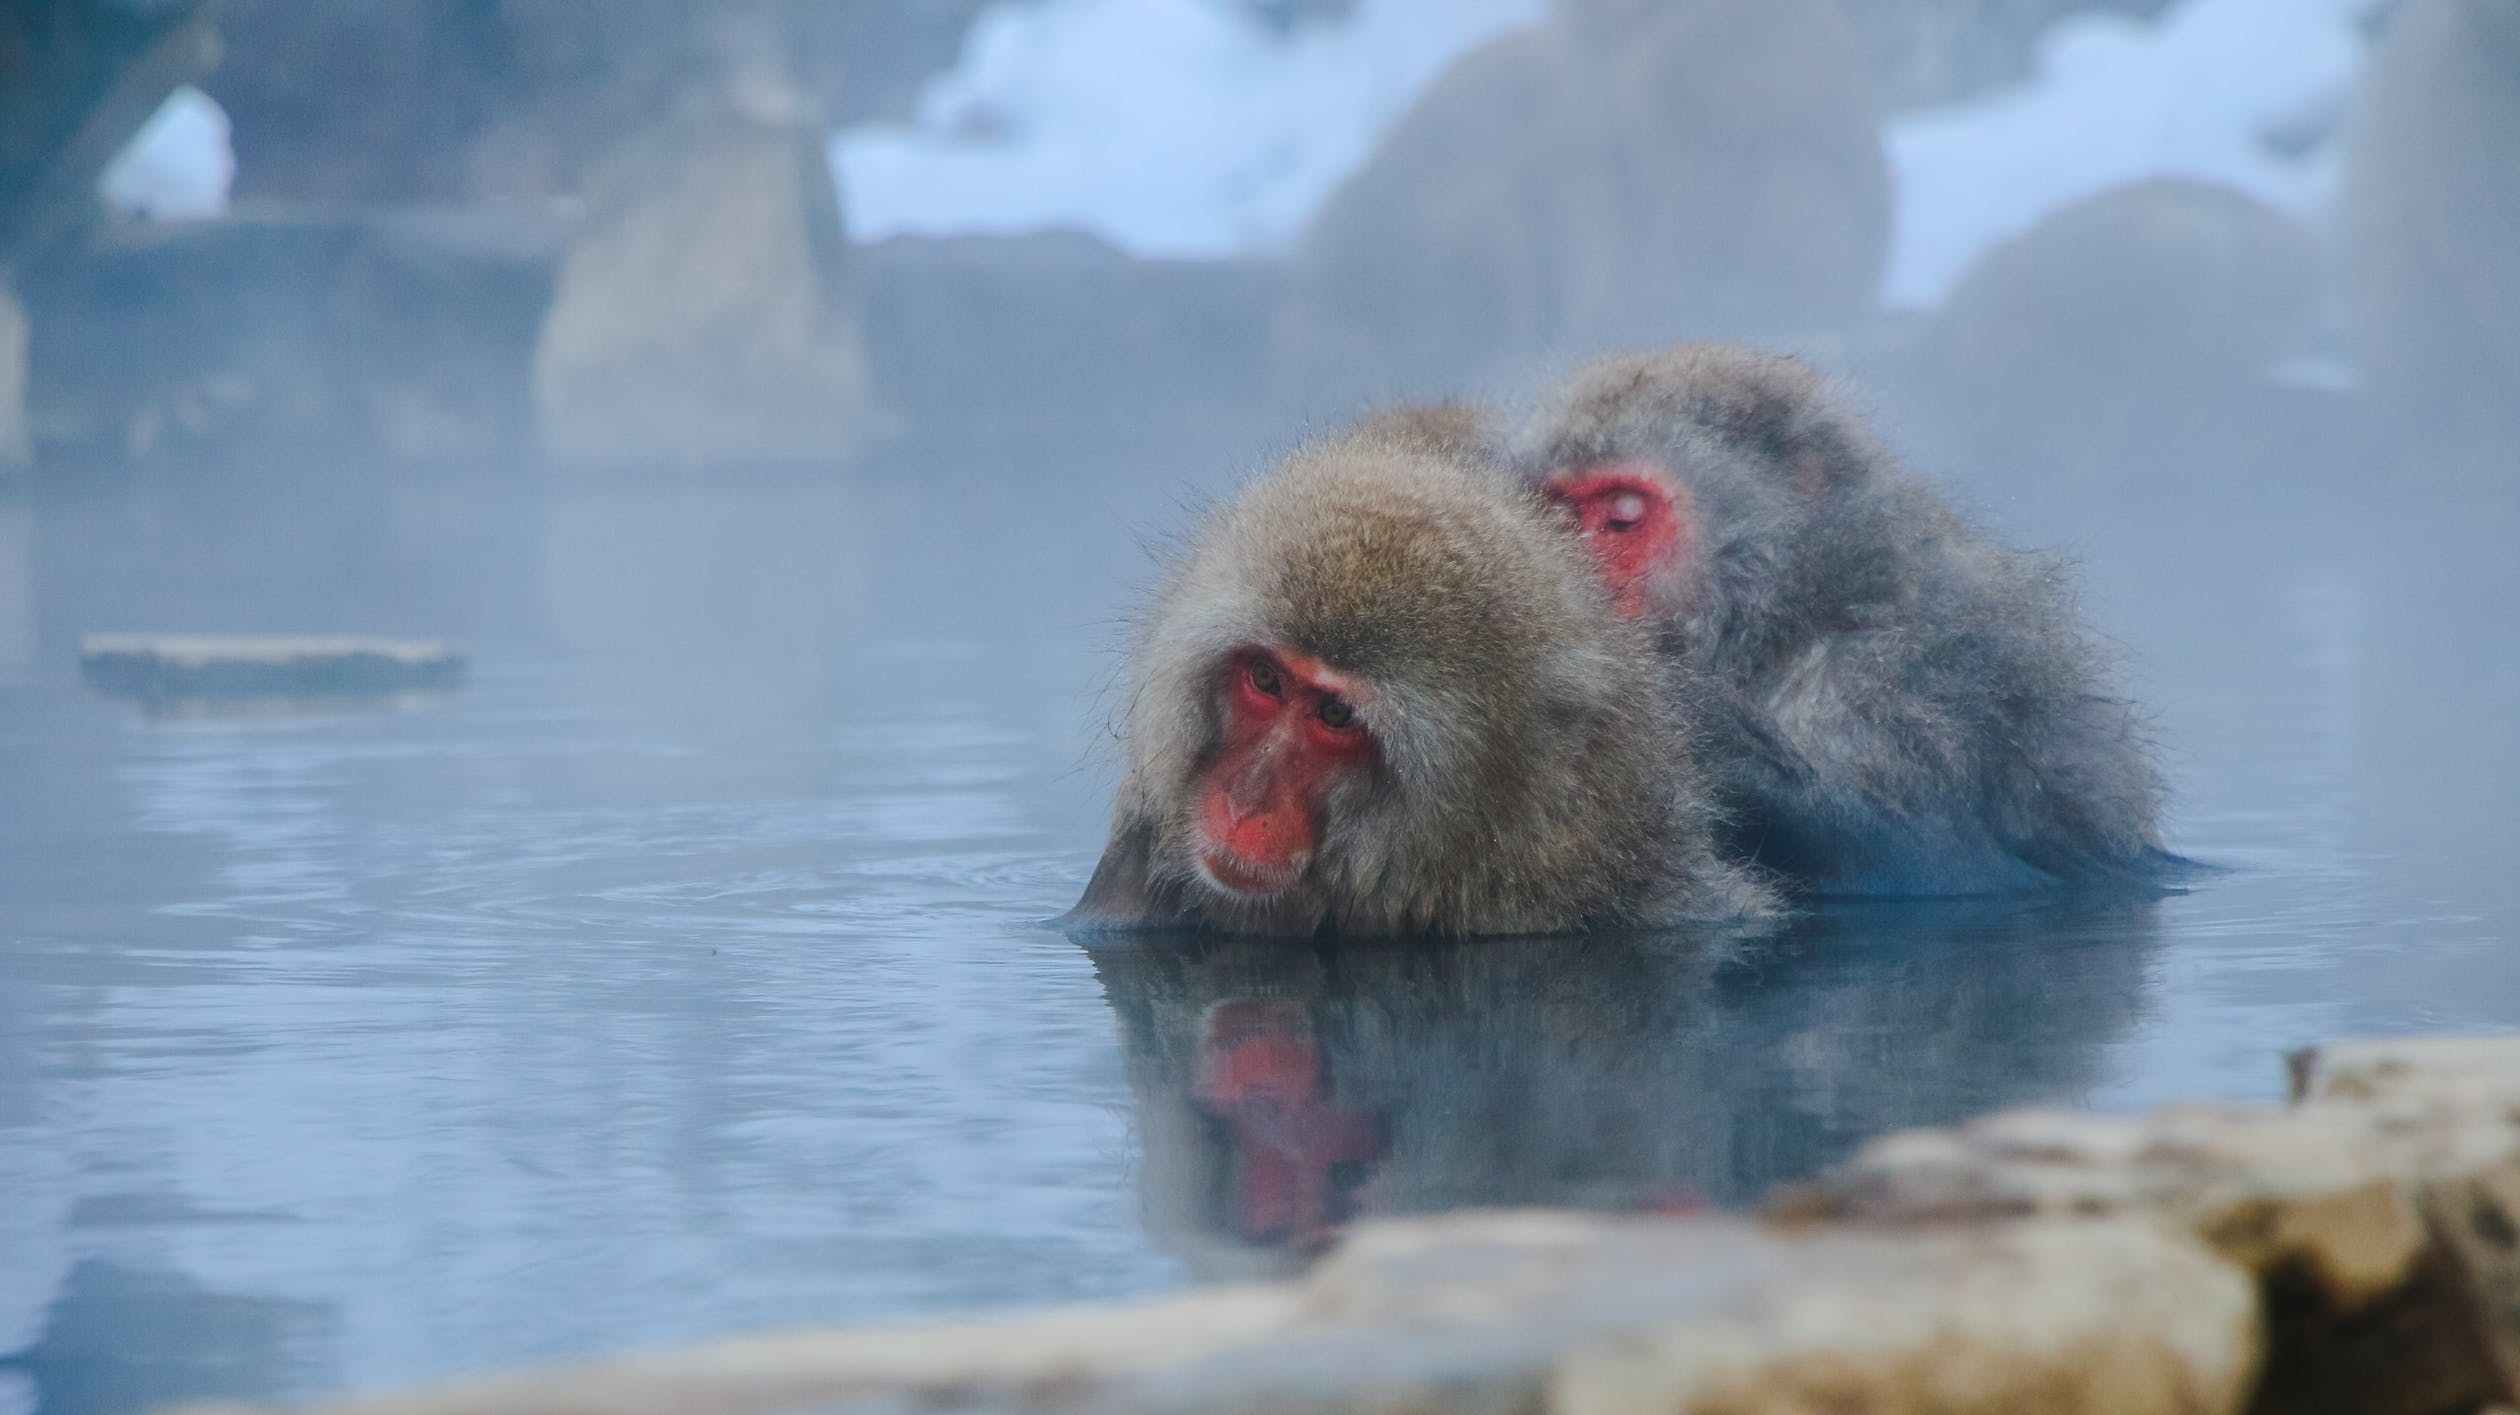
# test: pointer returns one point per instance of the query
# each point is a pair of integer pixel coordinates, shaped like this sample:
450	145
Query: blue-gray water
682	975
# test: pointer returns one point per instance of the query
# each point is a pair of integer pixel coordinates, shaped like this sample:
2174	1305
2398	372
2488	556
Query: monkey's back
1956	730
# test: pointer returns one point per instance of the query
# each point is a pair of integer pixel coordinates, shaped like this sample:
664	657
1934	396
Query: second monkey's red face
1637	521
1292	730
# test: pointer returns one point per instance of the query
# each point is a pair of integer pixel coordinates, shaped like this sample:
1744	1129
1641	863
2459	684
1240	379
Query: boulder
1057	338
2432	197
155	667
17	585
2354	1252
2378	1215
2139	298
15	444
1621	175
1519	1311
701	316
277	337
2134	334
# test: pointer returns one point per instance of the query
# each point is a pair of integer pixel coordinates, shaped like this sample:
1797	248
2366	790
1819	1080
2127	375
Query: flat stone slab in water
158	666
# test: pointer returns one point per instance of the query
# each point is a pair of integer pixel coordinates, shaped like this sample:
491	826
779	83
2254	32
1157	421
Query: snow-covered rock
1165	127
2210	91
178	167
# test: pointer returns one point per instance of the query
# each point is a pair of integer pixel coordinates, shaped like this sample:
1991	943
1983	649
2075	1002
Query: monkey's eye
1627	512
1265	678
1337	715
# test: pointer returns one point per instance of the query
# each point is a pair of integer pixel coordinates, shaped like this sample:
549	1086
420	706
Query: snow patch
1168	128
2196	94
1179	129
178	167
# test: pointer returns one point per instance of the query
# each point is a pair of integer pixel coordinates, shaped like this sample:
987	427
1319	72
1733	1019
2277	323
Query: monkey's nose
1251	791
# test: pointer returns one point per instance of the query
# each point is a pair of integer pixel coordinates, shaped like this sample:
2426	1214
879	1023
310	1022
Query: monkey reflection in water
1693	639
1283	1089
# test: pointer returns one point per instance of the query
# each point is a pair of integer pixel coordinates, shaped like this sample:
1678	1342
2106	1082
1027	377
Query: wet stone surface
2352	1252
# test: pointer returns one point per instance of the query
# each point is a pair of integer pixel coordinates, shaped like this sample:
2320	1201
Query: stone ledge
1520	1311
158	666
2378	1216
2355	1251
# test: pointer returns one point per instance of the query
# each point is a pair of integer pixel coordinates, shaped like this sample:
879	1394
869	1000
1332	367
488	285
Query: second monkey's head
1706	480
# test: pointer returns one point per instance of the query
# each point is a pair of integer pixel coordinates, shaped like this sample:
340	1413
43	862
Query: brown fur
1900	706
1451	429
1531	773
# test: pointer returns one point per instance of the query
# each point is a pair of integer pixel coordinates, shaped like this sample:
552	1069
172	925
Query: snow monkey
1384	692
1899	707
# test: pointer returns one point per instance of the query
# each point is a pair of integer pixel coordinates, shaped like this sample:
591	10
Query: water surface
684	974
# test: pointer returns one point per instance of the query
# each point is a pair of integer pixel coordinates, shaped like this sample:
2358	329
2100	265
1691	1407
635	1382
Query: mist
783	407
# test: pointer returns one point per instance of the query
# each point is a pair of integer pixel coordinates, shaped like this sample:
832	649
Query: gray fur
1532	771
1902	707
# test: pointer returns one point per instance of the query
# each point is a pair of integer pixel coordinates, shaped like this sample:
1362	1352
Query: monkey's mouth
1248	880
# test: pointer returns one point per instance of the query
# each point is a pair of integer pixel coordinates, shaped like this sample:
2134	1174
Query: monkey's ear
1122	895
1833	453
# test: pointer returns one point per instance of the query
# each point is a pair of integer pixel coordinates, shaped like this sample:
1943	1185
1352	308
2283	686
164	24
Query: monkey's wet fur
1689	647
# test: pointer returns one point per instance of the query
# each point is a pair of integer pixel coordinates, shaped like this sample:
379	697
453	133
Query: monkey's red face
1291	732
1635	518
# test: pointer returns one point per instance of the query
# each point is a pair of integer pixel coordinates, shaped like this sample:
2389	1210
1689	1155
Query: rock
1623	175
2483	1072
17	585
2145	297
15	445
1056	337
2352	1253
283	337
76	82
1517	1311
2038	1317
515	99
1933	52
2120	345
161	666
2380	1216
2432	195
701	316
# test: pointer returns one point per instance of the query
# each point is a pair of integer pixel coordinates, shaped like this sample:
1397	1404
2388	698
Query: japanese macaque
1383	693
1901	708
1451	429
2432	205
1616	173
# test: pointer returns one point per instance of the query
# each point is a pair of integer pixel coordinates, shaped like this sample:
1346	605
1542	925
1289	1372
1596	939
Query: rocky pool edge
2355	1249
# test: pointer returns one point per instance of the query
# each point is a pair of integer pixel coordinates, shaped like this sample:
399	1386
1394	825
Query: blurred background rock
518	243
